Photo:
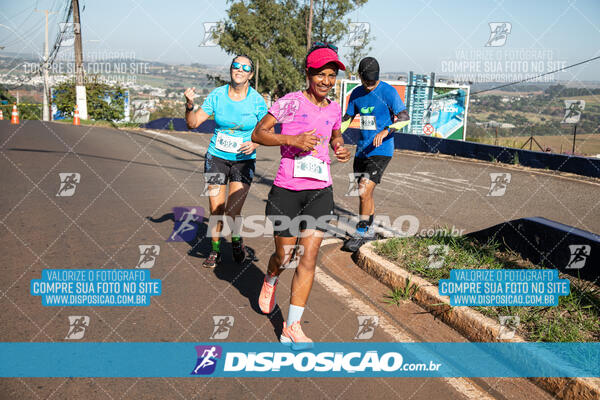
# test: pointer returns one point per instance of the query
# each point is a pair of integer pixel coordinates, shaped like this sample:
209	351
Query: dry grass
586	144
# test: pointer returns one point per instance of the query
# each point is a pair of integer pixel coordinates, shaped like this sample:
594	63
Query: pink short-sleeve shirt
297	114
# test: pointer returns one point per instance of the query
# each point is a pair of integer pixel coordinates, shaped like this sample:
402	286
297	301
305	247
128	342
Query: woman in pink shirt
302	192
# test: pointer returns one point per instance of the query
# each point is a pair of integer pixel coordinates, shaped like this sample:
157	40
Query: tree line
274	34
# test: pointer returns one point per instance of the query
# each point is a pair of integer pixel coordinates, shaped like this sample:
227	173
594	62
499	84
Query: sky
418	35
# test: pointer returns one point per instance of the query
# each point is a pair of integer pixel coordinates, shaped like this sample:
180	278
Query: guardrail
549	243
585	166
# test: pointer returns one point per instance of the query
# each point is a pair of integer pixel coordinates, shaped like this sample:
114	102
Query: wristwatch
189	109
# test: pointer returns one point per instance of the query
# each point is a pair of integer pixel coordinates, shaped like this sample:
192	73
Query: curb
473	325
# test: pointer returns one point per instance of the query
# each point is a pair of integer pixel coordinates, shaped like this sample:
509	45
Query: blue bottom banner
228	359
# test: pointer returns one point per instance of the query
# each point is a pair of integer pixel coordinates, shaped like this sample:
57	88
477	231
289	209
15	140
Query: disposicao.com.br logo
315	363
371	361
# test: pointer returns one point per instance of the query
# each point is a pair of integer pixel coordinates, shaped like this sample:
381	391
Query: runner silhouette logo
287	110
212	183
498	34
68	183
77	326
366	326
187	220
207	359
148	254
357	34
499	183
437	255
293	253
579	255
212	30
508	326
355	189
223	324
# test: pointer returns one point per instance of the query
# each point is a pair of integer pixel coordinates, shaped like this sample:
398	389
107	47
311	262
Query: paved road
130	182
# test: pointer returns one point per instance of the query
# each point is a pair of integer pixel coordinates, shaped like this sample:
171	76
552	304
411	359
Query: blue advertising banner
224	359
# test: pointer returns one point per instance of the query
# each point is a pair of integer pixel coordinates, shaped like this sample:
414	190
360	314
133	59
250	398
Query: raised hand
189	94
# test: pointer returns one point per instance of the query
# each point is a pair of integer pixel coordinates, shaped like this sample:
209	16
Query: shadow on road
104	158
246	278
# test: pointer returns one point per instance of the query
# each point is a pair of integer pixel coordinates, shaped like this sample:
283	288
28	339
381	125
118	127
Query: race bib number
228	143
310	167
367	122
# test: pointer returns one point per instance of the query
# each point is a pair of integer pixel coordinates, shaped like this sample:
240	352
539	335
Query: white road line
410	185
462	385
182	142
428	179
459	181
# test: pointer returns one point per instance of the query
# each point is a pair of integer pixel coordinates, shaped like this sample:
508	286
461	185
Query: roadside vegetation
575	319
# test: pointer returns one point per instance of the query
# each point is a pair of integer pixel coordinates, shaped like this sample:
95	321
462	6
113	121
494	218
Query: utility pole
46	105
309	30
79	76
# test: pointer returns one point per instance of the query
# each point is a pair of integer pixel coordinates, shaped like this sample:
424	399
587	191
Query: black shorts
371	168
218	171
305	206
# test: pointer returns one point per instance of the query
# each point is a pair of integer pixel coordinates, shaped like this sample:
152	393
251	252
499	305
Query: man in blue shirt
378	104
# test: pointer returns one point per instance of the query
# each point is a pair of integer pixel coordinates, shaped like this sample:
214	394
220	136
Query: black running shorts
292	211
371	168
219	171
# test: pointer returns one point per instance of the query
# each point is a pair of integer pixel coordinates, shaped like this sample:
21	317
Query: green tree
273	33
29	110
104	102
329	22
5	96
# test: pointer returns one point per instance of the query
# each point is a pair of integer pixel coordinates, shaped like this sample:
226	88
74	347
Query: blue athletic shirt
234	118
376	109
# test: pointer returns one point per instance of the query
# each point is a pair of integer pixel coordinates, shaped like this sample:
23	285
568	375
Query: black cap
368	69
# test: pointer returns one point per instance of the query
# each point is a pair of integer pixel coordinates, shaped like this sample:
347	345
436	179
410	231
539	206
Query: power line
31	30
52	56
59	36
24	37
538	76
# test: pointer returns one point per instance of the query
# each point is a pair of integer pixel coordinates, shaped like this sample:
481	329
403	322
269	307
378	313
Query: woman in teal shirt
231	155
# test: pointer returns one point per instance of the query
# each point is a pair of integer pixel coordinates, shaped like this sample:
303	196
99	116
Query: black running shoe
353	244
357	240
212	260
238	251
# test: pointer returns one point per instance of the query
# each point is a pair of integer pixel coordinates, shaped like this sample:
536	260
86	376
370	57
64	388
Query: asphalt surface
130	182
